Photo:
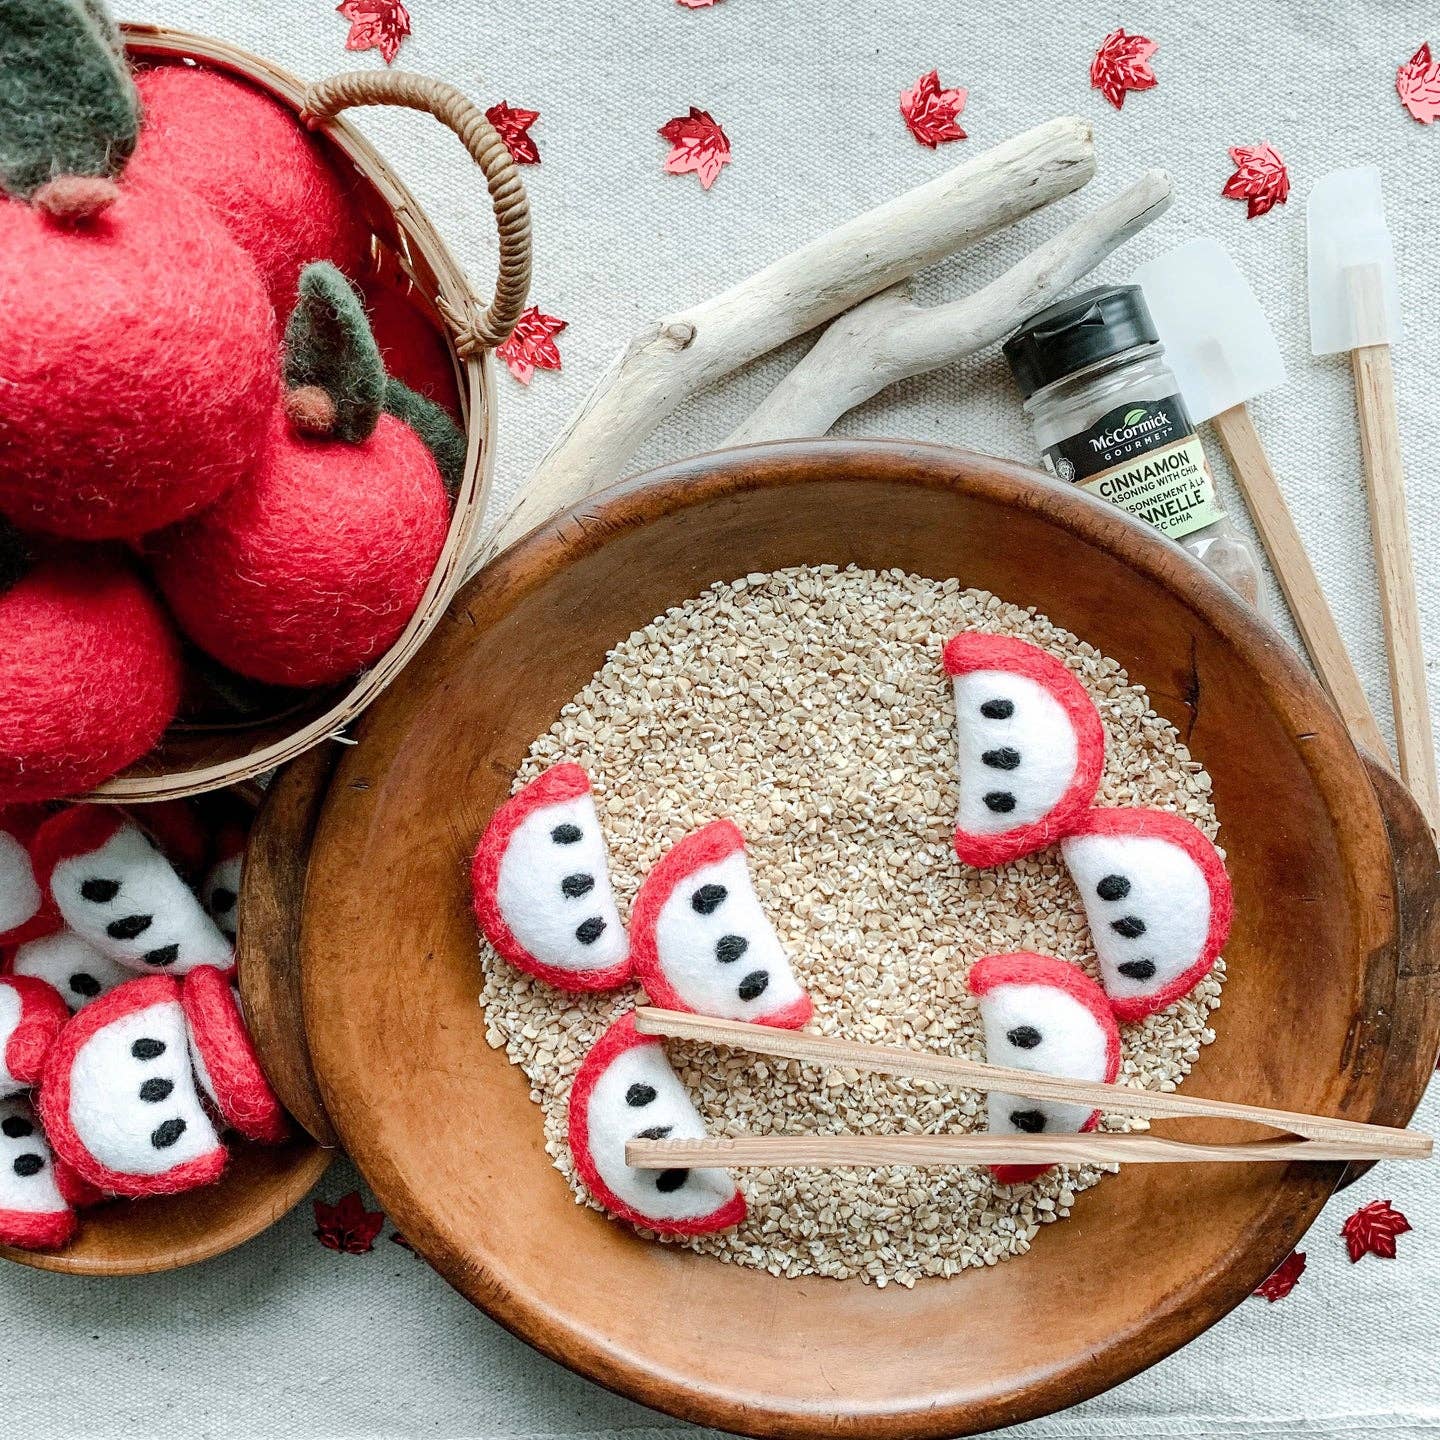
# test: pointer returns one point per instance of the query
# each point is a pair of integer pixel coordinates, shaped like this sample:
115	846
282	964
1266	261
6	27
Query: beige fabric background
287	1339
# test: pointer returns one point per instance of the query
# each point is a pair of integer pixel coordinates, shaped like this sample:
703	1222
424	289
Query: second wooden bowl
1331	1003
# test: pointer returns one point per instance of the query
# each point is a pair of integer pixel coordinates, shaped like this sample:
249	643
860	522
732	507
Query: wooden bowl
261	1183
407	255
1331	1003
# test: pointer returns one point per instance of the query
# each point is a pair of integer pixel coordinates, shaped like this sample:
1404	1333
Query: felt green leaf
432	423
328	344
67	102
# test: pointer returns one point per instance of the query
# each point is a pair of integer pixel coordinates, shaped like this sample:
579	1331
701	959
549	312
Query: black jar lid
1071	334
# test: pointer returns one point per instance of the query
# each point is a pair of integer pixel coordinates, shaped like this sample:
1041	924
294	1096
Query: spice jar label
1146	458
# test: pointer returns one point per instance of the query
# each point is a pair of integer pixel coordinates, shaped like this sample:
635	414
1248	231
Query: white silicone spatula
1355	307
1221	348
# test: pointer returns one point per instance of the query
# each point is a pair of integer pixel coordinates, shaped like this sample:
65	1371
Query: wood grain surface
1330	1004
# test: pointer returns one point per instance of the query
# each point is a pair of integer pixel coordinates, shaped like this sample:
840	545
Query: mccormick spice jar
1108	416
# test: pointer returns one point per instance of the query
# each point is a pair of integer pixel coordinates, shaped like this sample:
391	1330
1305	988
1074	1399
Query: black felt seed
145	1049
565	834
154	1090
753	985
17	1127
223	898
670	1180
1132	927
1002	802
1137	969
729	948
129	926
708	899
587	932
99	892
638	1095
1024	1037
574	886
164	1135
1005	758
162	956
1032	1122
83	984
28	1165
1113	887
655	1132
998	709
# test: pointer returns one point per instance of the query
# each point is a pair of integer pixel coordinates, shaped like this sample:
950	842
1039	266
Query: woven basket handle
475	329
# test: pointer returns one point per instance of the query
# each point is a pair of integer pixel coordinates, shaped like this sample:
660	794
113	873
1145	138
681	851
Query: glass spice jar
1108	416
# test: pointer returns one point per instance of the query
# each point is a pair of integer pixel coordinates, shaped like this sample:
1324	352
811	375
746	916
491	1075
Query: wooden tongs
1313	1137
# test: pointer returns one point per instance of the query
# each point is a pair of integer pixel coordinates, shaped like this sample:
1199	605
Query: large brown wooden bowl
1331	1002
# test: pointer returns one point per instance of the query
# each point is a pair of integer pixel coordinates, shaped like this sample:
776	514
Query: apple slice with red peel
541	886
1044	1015
1031	747
625	1090
32	1015
34	1214
225	1060
1159	902
220	890
703	944
119	1100
26	911
119	893
76	969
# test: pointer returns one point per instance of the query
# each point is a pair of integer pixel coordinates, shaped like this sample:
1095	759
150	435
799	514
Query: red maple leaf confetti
1260	177
1283	1281
697	4
531	345
696	143
347	1226
375	25
1417	82
1122	63
1372	1229
396	1238
932	113
513	127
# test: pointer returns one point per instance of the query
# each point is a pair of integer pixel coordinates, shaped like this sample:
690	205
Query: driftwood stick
890	338
680	355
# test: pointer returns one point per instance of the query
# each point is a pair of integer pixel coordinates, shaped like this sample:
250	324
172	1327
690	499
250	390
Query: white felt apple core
1017	750
11	1011
220	893
19	894
640	1096
27	1168
72	965
126	899
554	892
1040	1028
133	1101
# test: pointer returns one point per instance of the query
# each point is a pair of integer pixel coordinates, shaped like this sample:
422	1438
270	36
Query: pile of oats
809	705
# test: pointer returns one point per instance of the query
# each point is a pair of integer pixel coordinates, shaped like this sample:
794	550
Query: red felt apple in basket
138	373
312	567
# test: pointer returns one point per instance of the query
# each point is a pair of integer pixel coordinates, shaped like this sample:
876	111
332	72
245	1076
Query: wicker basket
407	251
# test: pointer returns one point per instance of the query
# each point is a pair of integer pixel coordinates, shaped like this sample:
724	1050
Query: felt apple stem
68	106
334	376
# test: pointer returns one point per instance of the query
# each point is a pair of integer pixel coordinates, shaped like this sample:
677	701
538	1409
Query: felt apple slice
31	1017
1159	902
625	1090
220	890
34	1215
701	941
118	1098
1044	1015
541	886
119	893
73	967
225	1060
1031	747
26	911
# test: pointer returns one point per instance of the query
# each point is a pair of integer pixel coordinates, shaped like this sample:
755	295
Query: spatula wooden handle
798	1152
1288	557
1395	566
